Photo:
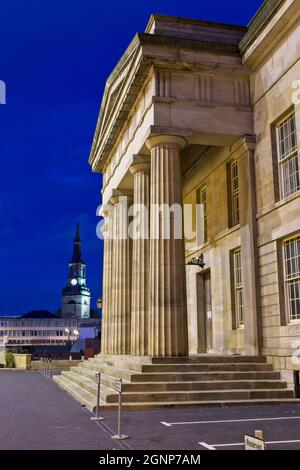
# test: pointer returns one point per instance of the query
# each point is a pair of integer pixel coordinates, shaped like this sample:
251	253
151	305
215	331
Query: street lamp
71	332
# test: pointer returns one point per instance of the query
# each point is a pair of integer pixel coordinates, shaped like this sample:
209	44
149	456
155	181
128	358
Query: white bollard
118	388
97	417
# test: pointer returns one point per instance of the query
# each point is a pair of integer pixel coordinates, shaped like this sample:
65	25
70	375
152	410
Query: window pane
292	276
288	156
235	215
238	287
203	201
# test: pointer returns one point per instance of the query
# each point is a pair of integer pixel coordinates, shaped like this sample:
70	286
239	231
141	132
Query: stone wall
277	219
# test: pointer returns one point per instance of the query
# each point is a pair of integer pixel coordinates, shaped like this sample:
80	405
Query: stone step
123	374
143	368
142	406
192	386
198	376
206	367
91	386
85	398
107	380
199	359
207	359
200	396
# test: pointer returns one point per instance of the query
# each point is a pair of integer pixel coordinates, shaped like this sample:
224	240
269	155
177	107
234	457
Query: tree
9	359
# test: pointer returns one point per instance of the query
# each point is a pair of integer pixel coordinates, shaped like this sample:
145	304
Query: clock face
73	282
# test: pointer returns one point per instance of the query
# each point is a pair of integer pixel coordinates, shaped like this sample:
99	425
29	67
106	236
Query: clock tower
76	296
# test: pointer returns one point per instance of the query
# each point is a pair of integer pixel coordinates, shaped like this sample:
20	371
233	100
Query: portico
167	102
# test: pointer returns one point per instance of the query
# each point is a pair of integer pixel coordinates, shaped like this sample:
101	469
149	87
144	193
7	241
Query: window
234	206
237	288
287	154
203	201
291	255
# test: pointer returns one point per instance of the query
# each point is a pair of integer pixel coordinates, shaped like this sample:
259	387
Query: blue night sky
55	57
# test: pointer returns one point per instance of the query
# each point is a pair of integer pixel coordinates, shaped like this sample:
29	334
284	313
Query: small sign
98	377
253	443
118	386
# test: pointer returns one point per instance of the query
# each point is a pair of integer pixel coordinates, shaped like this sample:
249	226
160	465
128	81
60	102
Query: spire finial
77	247
77	232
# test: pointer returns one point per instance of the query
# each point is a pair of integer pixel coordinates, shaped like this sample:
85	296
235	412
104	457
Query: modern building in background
76	296
37	328
40	331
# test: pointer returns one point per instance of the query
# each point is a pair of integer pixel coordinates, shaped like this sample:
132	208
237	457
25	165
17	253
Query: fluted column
106	326
249	247
168	319
121	277
140	260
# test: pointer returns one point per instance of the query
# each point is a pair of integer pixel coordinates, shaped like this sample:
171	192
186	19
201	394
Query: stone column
140	259
121	276
106	327
249	248
168	319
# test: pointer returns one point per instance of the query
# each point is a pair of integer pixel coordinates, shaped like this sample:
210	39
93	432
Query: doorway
204	309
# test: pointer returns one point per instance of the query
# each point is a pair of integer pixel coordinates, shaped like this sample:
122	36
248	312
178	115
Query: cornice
259	21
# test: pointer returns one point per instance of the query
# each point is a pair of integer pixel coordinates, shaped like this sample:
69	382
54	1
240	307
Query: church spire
77	247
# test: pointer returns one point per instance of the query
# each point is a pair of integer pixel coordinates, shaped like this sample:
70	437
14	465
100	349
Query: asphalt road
36	414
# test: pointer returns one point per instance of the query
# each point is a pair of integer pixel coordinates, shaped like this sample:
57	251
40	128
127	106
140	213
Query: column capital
140	168
172	141
140	164
119	194
243	145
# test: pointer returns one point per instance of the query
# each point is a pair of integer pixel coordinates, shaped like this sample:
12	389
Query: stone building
204	113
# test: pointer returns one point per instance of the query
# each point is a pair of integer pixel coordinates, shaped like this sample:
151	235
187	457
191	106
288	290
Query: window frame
203	189
237	290
287	279
280	159
233	194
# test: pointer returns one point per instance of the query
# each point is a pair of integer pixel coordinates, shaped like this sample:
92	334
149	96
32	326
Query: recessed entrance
204	307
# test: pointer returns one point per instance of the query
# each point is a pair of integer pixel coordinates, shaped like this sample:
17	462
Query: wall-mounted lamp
197	261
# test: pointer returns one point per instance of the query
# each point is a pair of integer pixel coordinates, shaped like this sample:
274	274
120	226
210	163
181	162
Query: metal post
97	417
47	368
118	388
259	434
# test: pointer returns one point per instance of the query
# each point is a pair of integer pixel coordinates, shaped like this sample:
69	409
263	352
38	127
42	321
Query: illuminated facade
202	113
206	113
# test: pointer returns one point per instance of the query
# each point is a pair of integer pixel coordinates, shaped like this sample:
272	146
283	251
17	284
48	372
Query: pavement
37	415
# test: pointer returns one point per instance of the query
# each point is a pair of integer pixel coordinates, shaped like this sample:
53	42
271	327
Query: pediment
120	93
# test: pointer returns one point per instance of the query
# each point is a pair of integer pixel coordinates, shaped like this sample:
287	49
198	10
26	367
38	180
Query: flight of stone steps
151	383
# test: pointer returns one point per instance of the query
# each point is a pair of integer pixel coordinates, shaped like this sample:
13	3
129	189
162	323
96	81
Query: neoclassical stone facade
199	113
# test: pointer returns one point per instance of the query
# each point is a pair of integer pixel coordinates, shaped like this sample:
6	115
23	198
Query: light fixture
197	261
